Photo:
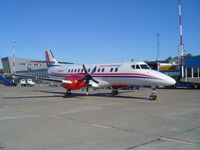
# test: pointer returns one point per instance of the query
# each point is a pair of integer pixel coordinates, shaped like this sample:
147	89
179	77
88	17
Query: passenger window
116	69
94	70
111	69
137	67
72	70
75	70
81	70
133	66
69	70
102	70
88	70
78	70
99	70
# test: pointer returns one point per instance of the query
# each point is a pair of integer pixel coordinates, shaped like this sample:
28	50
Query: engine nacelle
121	86
74	85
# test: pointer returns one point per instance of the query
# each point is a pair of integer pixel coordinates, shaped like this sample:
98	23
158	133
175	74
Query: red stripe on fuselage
117	74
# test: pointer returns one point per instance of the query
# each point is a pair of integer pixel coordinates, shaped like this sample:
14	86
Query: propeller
88	77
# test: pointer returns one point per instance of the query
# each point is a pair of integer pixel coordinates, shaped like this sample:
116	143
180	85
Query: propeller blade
94	69
87	87
88	77
95	81
85	70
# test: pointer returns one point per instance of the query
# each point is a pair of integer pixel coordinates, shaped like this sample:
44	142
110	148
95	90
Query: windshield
144	66
141	66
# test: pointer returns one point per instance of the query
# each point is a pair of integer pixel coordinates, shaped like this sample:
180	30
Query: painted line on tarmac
26	110
175	140
101	126
55	117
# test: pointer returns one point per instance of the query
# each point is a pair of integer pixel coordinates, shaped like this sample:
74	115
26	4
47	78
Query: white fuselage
133	73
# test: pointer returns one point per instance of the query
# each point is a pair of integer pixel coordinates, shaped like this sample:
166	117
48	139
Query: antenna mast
158	51
181	45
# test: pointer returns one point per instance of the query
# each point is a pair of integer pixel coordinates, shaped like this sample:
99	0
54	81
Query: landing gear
114	92
153	95
68	93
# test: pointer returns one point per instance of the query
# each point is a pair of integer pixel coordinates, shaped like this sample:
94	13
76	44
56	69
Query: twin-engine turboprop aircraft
115	75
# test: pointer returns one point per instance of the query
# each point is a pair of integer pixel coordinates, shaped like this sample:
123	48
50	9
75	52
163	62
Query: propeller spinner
88	77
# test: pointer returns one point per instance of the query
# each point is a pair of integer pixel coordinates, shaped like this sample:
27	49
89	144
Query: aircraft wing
101	83
46	79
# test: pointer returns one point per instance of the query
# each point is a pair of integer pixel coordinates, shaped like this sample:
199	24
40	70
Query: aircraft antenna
158	50
181	45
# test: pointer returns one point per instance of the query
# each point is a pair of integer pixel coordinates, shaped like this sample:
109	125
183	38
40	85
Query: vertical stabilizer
51	61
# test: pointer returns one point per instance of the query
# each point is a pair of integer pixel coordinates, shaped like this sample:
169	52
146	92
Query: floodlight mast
181	45
13	48
158	51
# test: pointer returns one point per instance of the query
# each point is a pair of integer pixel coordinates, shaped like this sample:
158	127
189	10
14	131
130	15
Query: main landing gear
68	93
114	92
153	95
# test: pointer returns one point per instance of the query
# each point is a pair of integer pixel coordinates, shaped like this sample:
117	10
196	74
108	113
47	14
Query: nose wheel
153	95
114	92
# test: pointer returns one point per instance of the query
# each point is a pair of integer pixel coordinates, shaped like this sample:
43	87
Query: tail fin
51	61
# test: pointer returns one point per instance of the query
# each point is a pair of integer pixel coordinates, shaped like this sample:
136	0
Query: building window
195	70
189	72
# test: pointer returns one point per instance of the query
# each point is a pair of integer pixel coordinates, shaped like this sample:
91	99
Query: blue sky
97	31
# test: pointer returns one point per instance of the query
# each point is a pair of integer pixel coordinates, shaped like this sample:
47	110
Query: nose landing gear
153	95
114	92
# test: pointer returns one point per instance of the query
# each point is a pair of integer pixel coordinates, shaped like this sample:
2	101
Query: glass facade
192	72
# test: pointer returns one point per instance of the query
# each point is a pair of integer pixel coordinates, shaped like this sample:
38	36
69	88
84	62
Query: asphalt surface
39	118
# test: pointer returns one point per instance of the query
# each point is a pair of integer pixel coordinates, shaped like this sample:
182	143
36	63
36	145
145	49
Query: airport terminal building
192	69
172	68
24	66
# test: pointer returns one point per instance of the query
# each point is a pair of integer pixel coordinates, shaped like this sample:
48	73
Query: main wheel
114	92
153	97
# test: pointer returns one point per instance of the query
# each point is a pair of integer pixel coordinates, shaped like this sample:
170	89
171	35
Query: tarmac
39	118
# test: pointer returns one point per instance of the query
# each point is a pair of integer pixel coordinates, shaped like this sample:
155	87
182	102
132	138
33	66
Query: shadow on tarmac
78	95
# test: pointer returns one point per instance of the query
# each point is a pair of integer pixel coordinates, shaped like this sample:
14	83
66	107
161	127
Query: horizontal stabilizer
43	61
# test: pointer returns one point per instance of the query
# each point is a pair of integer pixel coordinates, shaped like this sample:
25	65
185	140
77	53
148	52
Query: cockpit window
140	66
133	66
137	67
144	66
